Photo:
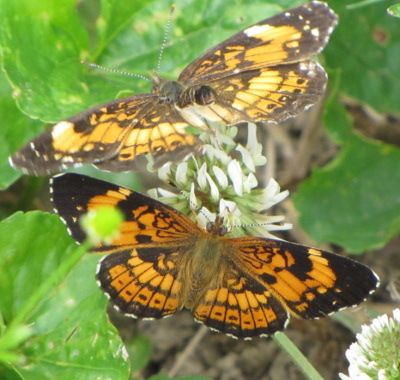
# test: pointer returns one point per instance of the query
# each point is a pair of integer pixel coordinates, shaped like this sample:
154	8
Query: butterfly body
262	74
161	262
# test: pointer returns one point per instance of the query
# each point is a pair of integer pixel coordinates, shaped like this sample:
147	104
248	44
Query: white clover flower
221	177
246	157
201	176
181	173
253	146
218	184
236	176
376	354
252	143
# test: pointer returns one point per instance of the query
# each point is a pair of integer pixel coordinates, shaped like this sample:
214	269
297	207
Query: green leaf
40	44
394	10
71	335
7	373
353	201
365	49
114	17
14	125
139	349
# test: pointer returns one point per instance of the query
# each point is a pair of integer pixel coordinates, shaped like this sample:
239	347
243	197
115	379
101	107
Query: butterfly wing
161	132
265	94
263	73
110	135
309	282
140	272
240	307
147	221
266	281
288	37
142	282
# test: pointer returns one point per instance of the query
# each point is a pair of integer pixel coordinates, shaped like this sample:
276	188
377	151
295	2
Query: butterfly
262	74
162	261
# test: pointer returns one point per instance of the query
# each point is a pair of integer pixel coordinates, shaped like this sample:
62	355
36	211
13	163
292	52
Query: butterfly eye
209	226
223	230
216	228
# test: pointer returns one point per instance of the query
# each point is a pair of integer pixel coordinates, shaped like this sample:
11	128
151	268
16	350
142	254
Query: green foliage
64	332
394	10
353	201
139	350
364	50
15	127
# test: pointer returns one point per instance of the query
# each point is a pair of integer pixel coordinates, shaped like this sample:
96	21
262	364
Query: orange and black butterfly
262	74
161	262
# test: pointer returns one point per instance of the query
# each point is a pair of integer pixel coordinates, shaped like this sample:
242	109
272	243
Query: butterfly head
169	90
217	228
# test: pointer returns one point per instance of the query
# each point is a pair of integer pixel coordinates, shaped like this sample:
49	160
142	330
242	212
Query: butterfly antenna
258	224
93	65
166	32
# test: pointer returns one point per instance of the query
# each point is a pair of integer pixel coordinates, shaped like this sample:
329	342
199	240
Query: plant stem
297	357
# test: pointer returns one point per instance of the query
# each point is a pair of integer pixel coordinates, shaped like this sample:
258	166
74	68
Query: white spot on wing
257	29
60	128
315	32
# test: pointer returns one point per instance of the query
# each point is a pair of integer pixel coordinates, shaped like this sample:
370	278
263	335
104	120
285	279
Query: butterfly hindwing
309	282
241	307
141	270
141	282
161	132
266	94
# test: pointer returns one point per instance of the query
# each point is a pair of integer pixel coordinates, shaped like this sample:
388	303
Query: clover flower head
222	182
376	354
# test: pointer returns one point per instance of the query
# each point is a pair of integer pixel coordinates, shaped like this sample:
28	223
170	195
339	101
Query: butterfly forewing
110	136
147	221
292	36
